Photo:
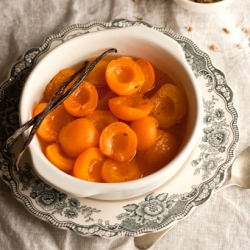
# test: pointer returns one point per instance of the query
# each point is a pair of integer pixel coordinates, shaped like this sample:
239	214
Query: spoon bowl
240	171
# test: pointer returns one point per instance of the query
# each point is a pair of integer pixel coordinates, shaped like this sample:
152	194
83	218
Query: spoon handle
228	181
225	185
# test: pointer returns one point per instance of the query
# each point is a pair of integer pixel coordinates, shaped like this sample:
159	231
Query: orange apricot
56	81
179	129
77	136
130	108
57	158
43	144
97	75
124	76
104	94
52	123
170	105
158	155
118	141
146	132
101	119
113	171
88	165
83	101
149	74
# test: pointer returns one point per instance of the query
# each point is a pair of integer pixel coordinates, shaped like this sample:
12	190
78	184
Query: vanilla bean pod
54	102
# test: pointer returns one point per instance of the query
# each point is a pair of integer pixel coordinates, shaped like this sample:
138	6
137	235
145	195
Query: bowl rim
121	185
203	7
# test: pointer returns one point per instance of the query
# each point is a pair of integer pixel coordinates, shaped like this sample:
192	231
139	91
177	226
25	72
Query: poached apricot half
78	135
118	142
88	165
170	105
104	94
149	74
83	101
146	132
113	171
159	154
56	81
52	123
130	108
101	118
97	75
124	76
55	155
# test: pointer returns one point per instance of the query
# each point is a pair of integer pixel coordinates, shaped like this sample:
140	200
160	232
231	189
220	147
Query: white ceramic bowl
144	42
204	7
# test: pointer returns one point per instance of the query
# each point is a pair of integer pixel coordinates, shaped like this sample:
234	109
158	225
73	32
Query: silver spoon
238	175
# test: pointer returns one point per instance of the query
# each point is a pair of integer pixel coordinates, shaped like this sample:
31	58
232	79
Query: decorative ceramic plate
199	177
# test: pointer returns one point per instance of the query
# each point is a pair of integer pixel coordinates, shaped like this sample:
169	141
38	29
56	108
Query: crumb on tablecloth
139	18
226	30
245	30
213	47
189	28
239	46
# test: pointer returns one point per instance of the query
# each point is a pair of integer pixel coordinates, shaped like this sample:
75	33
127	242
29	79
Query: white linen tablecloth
221	223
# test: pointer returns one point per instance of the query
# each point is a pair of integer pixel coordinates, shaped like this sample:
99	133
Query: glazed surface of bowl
204	7
144	42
